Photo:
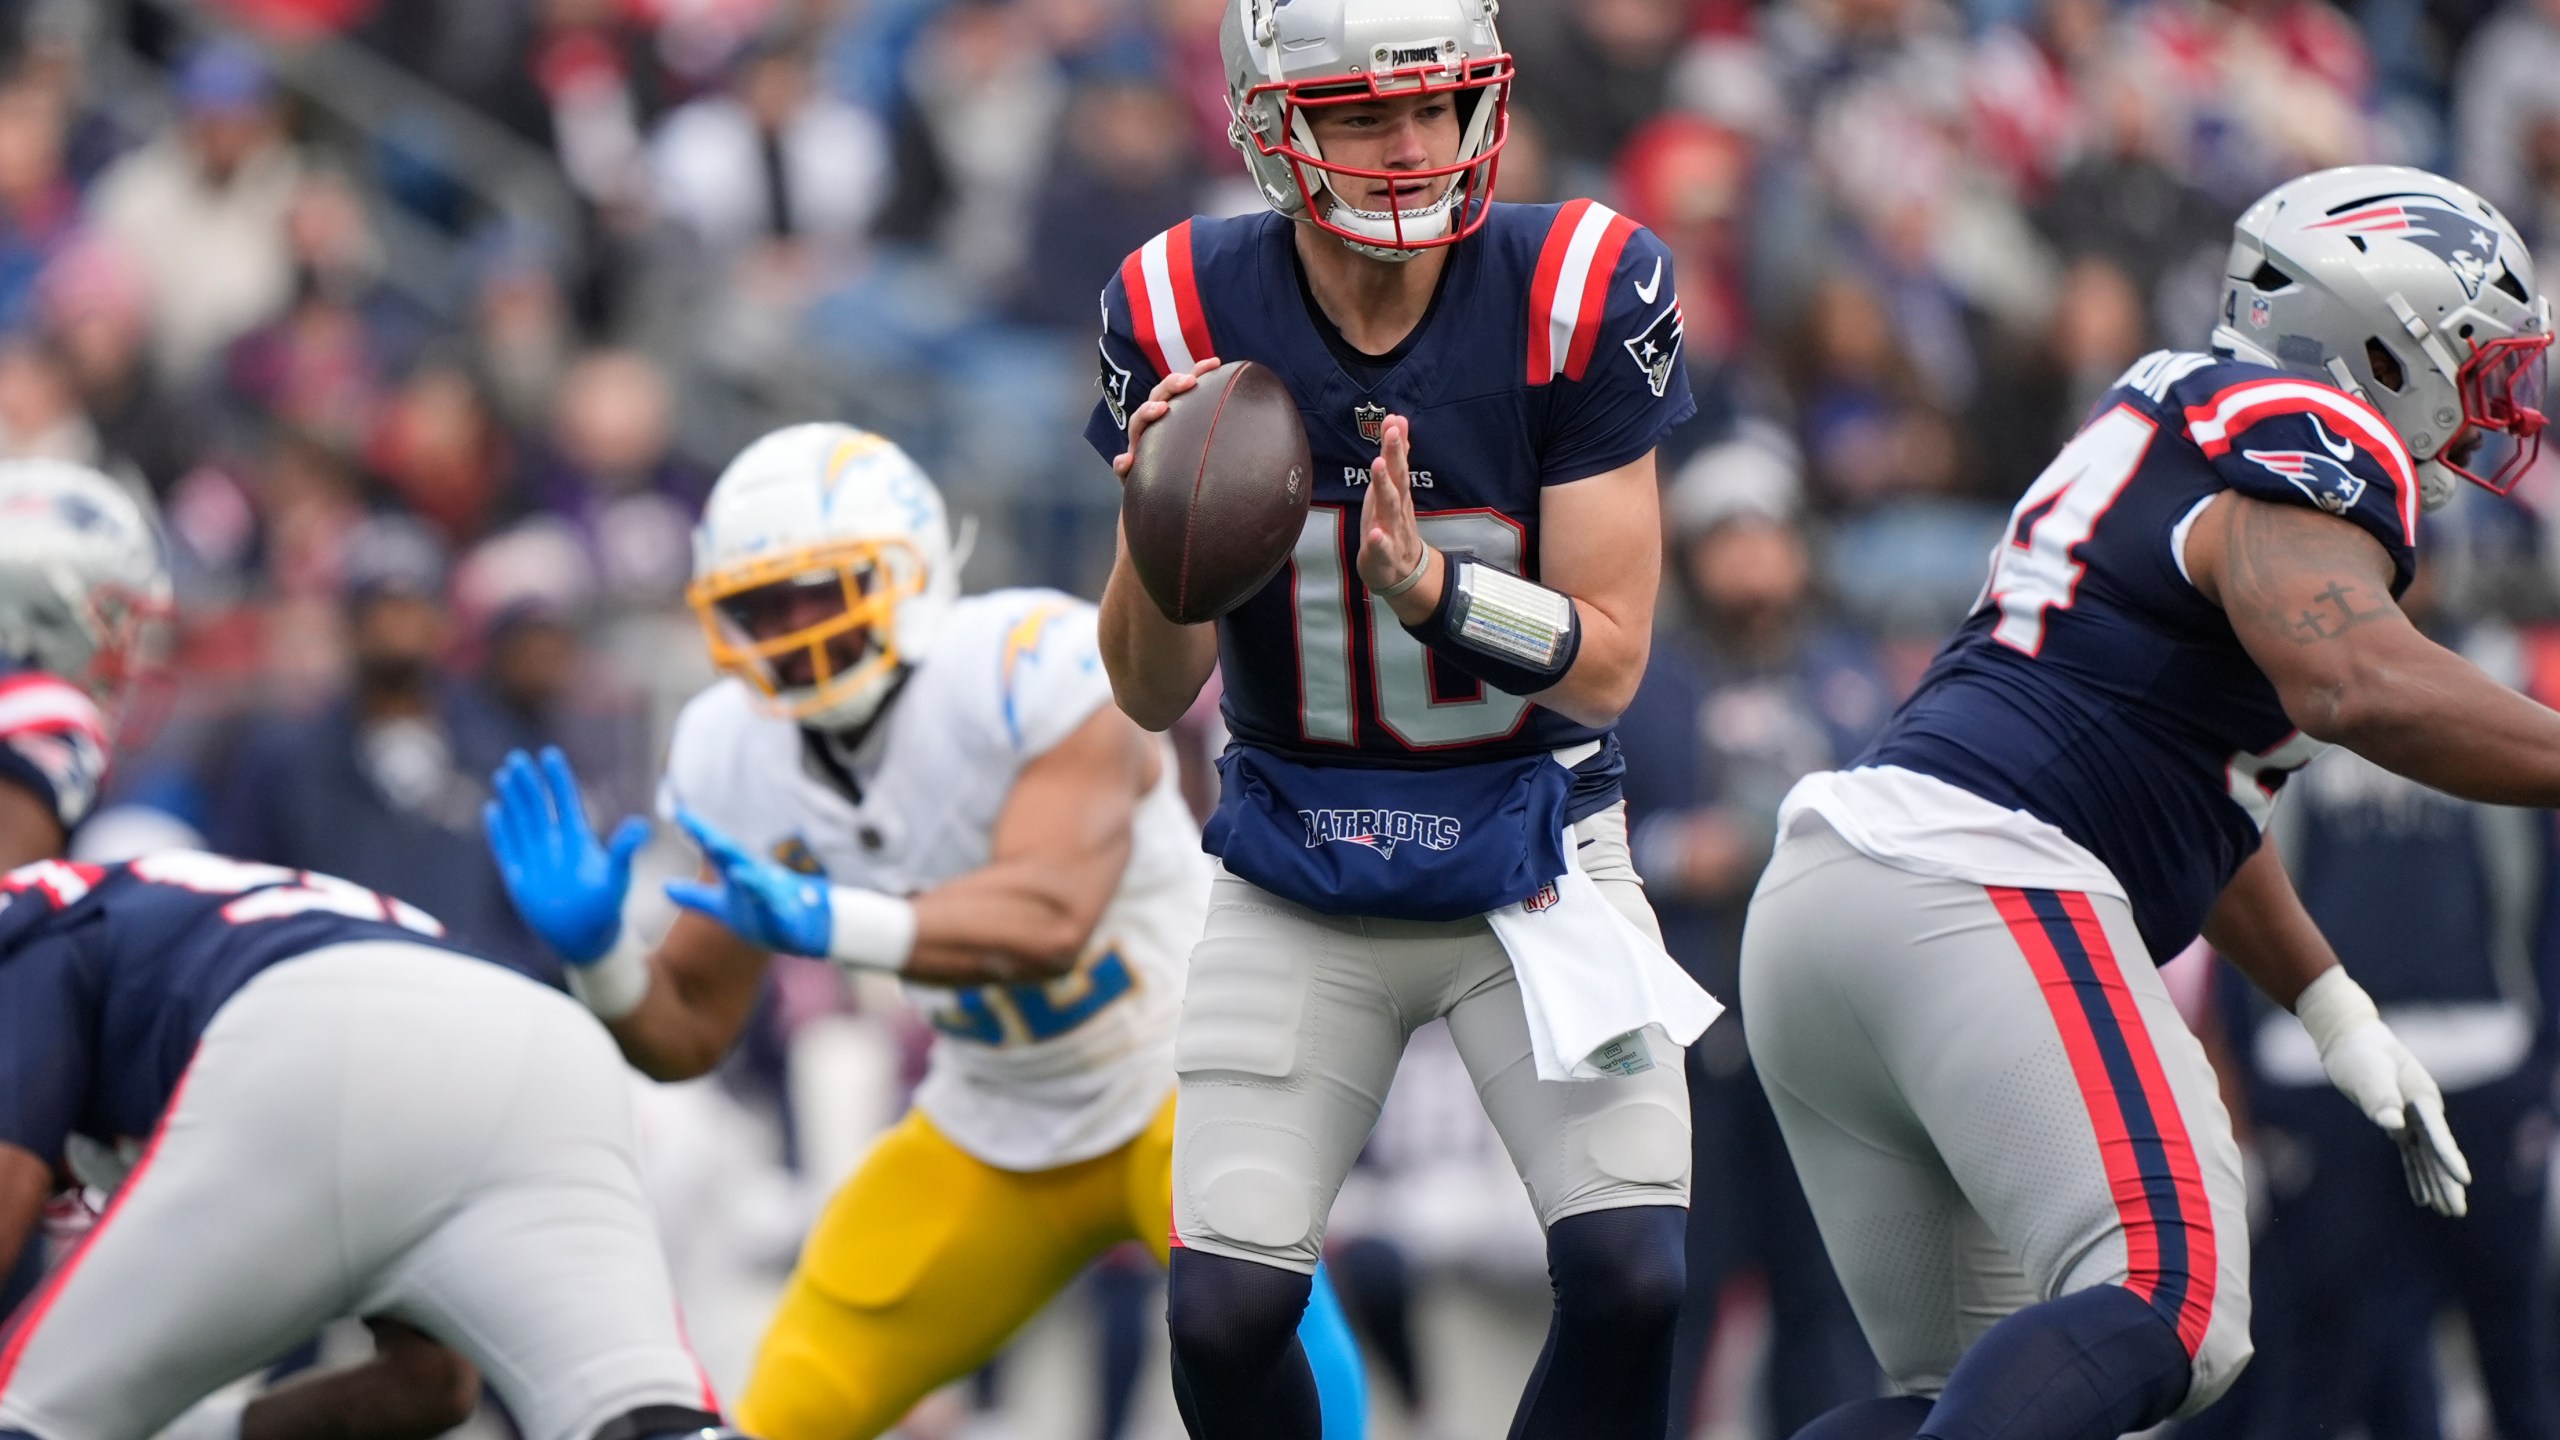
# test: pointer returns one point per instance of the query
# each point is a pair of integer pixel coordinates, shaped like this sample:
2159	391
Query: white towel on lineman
1591	982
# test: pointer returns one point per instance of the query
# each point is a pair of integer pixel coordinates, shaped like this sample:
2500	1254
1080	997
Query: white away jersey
1029	1076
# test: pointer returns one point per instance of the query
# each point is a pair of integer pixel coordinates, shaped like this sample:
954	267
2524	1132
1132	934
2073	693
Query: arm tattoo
2277	552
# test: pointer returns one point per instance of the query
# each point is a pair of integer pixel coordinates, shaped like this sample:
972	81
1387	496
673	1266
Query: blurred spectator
2503	99
2125	200
610	470
774	169
442	454
987	101
40	414
324	365
2098	329
1595	71
1123	173
202	209
2444	911
522	334
39	209
384	787
1754	692
92	302
592	62
2266	89
1689	181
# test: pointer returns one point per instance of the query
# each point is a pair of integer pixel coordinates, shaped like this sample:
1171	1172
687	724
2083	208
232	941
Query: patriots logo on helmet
1372	420
1115	389
2464	243
2331	486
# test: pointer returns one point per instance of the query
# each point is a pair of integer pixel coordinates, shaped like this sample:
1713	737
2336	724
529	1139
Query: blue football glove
761	902
567	887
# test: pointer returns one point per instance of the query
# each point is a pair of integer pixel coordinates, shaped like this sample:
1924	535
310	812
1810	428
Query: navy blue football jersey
109	974
53	742
1551	353
2093	686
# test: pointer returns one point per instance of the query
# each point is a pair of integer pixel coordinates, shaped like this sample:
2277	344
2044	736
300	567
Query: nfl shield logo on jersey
2332	486
1372	420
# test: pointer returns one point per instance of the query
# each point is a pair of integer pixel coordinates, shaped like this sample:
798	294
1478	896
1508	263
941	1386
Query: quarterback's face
1406	133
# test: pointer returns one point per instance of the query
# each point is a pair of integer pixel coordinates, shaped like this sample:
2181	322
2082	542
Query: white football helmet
84	581
822	568
1283	59
2408	290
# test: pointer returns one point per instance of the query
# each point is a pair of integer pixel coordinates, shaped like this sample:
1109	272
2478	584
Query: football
1217	493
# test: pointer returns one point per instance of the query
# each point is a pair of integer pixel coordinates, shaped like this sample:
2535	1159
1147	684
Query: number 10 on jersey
1401	667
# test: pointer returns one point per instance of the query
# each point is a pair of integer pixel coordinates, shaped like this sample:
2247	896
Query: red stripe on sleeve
32	1317
1187	308
2097	1092
1595	294
1142	313
2195	1311
1542	289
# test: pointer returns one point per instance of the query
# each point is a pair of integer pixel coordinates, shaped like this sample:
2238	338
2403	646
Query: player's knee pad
1226	1314
1627	1267
668	1422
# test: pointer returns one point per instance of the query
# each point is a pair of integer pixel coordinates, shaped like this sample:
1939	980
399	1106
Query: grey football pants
1291	1029
1992	1102
372	1129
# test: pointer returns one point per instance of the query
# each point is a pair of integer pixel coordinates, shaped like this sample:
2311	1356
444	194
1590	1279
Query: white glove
2374	1070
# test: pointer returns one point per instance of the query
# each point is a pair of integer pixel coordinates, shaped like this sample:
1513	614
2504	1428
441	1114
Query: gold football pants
927	1261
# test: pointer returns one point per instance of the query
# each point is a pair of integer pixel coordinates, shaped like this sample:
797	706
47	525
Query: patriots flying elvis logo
2467	244
2331	486
1379	830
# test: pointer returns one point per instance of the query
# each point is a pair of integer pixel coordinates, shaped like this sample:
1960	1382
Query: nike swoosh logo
1652	285
2343	449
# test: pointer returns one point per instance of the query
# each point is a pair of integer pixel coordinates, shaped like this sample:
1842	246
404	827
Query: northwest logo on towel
1380	830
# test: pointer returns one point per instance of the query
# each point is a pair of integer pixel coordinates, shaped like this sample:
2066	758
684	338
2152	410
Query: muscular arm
2309	596
28	829
1600	541
2259	925
26	1181
1059	847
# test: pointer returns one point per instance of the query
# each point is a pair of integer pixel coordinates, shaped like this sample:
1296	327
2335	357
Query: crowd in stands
428	322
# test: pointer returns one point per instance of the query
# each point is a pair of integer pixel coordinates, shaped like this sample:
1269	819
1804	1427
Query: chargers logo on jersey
2427	222
1380	830
2331	486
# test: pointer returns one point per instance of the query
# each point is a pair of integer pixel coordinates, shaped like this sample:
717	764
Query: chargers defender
1421	814
909	781
2014	1148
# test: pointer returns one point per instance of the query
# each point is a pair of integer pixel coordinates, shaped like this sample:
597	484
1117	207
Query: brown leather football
1218	492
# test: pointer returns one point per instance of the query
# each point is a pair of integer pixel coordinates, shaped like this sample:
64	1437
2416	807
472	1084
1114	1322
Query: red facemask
2501	387
1491	74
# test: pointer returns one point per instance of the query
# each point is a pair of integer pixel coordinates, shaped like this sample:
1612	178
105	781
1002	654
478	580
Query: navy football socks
1606	1370
1239	1372
2093	1365
1890	1417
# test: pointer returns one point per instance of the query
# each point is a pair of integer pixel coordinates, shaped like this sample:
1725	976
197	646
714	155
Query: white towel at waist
1592	981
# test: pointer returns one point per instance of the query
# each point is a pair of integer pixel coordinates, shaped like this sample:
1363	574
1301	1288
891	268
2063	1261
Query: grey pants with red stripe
1992	1102
372	1129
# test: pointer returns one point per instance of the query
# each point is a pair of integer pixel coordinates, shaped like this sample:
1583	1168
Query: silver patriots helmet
2410	291
1283	60
84	582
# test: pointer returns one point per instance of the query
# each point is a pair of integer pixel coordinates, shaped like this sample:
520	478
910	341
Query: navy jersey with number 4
1551	353
109	974
2093	687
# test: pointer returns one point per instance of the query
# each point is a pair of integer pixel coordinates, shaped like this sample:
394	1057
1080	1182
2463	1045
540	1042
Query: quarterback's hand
2377	1073
1152	409
567	887
759	901
1391	548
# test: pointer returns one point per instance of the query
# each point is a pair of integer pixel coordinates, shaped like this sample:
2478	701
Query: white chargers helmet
1283	59
2410	291
822	568
84	581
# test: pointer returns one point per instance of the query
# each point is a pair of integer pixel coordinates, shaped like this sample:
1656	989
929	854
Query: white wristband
615	985
2332	1005
869	930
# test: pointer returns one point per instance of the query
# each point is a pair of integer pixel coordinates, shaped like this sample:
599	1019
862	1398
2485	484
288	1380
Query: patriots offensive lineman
1420	814
84	601
346	1116
915	783
2013	1146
